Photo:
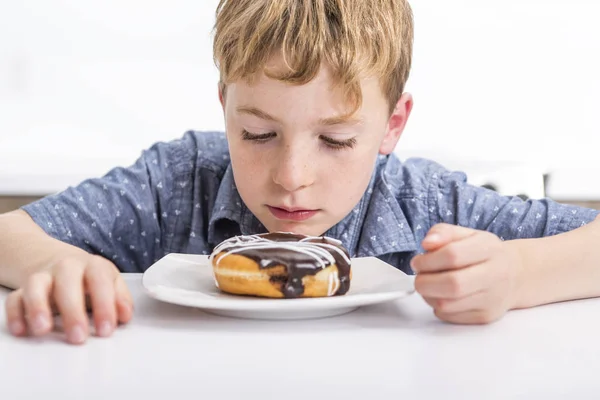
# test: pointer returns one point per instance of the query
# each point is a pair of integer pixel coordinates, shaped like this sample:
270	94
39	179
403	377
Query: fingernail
104	329
433	237
76	334
128	307
40	323
412	265
16	327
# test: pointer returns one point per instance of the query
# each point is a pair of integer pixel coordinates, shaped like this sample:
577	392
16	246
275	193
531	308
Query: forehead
322	96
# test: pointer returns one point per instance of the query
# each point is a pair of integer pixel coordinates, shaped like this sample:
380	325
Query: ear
221	97
396	124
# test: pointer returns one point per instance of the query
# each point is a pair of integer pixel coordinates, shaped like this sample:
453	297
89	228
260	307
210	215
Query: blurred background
505	90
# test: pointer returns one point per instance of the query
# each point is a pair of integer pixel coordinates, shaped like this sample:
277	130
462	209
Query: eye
257	137
339	144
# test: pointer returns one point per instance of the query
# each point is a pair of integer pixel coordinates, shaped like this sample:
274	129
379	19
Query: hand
63	288
468	276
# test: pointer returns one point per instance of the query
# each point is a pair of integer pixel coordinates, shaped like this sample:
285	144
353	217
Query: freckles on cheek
247	164
341	182
357	177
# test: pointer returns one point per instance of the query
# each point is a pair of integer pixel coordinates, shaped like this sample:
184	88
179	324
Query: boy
314	104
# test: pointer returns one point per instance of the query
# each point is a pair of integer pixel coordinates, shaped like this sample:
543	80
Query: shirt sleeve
121	215
457	202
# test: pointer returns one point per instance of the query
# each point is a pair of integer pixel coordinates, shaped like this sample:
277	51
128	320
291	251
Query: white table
392	351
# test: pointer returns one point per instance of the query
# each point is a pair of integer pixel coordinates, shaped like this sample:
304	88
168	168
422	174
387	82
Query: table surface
397	350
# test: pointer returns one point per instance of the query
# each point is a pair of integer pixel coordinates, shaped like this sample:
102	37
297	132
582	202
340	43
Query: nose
294	168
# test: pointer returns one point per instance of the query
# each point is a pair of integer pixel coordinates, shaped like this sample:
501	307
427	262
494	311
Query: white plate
188	280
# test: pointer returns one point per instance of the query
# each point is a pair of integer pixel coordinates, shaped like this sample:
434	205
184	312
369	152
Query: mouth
291	214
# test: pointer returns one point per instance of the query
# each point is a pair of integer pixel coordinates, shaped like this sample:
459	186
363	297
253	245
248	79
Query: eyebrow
330	121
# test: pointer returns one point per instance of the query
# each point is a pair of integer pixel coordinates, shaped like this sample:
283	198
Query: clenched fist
468	276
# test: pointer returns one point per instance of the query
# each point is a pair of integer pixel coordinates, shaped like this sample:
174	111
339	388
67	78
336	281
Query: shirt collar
230	216
376	226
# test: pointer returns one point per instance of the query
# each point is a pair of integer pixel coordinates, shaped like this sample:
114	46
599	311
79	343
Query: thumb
441	234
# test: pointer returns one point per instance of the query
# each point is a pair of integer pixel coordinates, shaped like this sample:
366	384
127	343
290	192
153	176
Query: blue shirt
180	197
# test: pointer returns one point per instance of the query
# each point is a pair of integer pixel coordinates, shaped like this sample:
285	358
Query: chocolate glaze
300	255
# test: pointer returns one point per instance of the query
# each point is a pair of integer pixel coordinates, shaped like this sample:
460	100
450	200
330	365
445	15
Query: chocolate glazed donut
293	265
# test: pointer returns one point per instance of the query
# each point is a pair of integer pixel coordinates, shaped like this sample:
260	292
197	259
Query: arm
48	273
486	253
557	243
101	216
559	268
27	249
60	251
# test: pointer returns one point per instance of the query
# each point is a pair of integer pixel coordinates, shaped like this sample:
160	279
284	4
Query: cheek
244	160
348	178
248	171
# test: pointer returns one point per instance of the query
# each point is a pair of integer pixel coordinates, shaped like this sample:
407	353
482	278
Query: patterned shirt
180	197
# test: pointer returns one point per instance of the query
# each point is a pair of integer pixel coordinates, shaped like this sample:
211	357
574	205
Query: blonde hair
355	38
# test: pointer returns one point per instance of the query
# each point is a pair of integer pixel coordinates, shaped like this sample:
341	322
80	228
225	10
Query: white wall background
85	85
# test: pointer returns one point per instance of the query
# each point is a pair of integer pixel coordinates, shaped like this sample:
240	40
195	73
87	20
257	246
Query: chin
294	227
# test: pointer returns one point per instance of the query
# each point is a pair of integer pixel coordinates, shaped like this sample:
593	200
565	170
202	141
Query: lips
291	214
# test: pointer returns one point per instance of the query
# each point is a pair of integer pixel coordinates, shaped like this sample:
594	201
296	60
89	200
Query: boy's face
296	166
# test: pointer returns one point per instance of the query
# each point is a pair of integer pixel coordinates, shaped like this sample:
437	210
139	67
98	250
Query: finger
472	317
124	300
36	304
456	283
15	313
431	301
471	250
476	301
70	300
99	283
442	234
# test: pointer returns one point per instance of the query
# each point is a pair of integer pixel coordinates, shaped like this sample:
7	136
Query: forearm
25	248
559	268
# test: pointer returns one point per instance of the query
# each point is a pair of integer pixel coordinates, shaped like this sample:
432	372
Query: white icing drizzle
316	250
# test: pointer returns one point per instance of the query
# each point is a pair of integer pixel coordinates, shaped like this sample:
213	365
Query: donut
282	265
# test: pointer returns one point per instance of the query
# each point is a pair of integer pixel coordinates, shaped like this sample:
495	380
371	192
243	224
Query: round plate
188	280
